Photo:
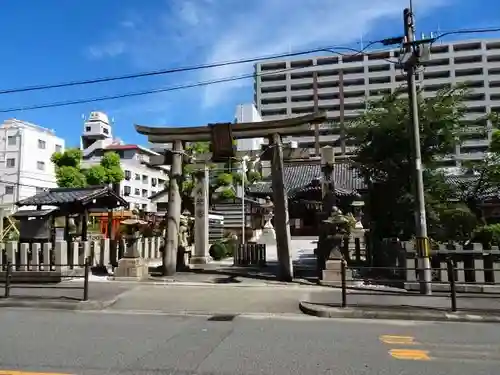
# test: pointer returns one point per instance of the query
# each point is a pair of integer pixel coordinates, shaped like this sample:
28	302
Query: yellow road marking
12	372
408	354
398	340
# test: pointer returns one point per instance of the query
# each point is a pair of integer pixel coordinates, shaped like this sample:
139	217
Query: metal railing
250	254
32	280
364	286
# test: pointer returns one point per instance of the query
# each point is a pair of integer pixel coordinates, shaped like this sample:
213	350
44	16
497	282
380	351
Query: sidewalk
213	299
65	297
372	304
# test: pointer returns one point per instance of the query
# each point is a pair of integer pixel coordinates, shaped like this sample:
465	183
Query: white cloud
190	32
110	49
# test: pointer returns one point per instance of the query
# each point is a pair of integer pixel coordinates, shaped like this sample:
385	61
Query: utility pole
422	242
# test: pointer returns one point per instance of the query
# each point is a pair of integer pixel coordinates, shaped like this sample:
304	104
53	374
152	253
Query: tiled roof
300	176
63	196
468	183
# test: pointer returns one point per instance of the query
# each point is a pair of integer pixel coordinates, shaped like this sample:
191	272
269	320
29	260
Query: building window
88	128
40	165
137	177
144	179
127	190
144	206
9	190
11	163
137	192
154	181
42	144
58	148
105	130
12	140
128	175
39	190
144	193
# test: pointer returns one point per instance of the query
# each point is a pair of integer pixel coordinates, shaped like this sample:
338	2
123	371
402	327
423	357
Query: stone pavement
223	274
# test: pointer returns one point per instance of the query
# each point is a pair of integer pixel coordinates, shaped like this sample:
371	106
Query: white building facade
25	165
141	179
339	85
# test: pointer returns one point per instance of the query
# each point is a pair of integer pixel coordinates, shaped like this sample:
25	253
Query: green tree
486	173
383	158
70	173
112	165
68	168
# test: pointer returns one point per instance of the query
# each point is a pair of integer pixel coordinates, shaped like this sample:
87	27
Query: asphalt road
67	342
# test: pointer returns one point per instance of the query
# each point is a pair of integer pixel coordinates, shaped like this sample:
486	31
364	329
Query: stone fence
68	258
475	266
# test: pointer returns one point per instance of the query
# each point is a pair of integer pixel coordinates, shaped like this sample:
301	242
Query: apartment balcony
273	95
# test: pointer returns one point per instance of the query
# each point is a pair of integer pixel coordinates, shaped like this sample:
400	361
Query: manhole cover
221	318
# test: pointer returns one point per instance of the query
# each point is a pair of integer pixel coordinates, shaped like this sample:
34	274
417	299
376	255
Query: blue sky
54	41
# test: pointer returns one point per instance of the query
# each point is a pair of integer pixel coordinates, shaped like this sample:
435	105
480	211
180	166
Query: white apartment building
25	165
141	179
339	86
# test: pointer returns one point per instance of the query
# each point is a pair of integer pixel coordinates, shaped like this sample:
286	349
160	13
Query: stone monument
201	196
183	246
132	266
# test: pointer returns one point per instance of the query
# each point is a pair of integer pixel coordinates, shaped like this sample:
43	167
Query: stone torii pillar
169	256
280	200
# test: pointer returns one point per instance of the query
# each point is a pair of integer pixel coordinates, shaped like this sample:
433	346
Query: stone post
11	250
327	250
201	197
61	256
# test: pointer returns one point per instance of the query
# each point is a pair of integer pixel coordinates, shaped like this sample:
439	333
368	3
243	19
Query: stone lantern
268	235
357	210
132	266
335	230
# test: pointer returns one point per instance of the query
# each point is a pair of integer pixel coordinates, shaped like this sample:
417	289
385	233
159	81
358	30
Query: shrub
218	251
488	235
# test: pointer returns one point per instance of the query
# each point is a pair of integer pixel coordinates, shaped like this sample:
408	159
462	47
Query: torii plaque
273	130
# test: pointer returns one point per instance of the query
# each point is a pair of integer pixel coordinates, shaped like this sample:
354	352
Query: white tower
96	128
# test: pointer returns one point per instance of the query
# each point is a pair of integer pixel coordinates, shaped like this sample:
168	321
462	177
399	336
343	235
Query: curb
361	313
57	305
258	284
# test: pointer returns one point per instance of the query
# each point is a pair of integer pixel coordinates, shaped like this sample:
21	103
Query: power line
174	70
466	31
206	66
172	88
20	184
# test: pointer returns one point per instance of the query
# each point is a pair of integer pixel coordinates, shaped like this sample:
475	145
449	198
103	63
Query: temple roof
90	197
303	177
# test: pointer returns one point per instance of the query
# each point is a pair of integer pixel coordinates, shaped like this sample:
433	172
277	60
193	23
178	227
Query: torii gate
221	136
